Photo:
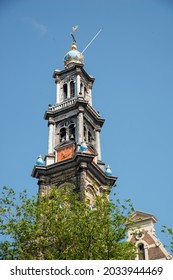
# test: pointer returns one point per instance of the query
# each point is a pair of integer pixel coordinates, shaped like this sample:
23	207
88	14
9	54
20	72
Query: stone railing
63	104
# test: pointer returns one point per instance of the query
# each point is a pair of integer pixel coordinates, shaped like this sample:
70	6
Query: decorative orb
40	161
83	147
108	171
73	56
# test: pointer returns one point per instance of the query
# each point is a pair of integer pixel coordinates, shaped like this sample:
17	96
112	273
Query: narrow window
62	134
72	89
72	132
141	251
85	136
65	91
81	88
89	137
90	198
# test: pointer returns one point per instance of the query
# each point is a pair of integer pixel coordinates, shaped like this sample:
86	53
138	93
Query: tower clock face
65	153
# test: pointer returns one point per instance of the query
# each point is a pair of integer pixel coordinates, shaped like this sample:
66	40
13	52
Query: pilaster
90	93
57	81
44	186
51	140
80	125
98	145
78	81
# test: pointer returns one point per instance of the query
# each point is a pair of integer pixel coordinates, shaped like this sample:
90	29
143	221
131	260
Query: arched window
62	134
72	89
141	251
90	196
65	91
72	131
67	131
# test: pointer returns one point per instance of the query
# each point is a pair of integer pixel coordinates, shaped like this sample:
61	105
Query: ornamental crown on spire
73	56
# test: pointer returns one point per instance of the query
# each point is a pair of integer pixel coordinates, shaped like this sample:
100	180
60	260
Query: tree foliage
62	226
169	233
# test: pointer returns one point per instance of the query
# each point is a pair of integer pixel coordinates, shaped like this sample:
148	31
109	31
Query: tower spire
74	147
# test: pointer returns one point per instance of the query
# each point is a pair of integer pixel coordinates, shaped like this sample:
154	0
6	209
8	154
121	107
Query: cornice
78	68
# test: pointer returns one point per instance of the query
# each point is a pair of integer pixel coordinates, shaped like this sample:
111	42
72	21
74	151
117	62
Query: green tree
169	233
63	226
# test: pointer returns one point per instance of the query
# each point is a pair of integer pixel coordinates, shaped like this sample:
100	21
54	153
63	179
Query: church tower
74	126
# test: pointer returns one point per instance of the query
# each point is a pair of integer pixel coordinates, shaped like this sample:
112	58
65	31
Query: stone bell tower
74	126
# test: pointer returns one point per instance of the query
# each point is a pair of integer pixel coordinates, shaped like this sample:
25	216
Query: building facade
74	150
142	233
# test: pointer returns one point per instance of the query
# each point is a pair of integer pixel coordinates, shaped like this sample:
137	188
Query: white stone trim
146	246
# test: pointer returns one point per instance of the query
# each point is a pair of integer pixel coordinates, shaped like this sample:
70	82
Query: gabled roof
140	216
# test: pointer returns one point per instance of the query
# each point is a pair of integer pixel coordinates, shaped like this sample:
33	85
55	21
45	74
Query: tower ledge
70	171
72	104
78	69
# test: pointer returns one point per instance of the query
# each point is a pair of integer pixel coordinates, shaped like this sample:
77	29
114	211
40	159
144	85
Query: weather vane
74	29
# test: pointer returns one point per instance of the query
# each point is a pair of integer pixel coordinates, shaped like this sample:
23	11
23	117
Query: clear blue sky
132	62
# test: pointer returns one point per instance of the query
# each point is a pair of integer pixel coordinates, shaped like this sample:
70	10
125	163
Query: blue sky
132	62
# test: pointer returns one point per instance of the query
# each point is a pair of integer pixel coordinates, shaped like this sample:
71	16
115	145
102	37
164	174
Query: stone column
57	81
51	136
98	145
